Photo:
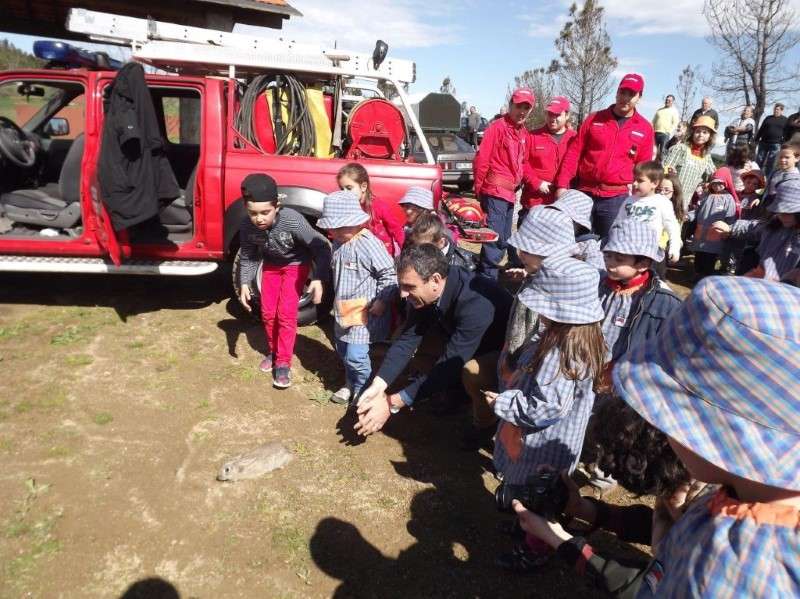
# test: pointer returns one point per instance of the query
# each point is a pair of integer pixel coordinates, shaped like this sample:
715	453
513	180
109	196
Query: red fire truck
227	105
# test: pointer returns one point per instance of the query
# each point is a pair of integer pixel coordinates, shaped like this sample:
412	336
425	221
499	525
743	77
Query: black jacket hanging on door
133	170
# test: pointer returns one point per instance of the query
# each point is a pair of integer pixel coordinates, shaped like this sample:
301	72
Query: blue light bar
71	56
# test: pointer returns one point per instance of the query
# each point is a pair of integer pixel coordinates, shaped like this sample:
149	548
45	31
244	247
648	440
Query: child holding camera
545	406
732	419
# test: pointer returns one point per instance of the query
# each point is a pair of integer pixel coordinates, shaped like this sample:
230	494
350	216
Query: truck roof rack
171	46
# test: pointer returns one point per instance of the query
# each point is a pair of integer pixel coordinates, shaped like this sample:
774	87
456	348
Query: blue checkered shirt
552	412
719	549
362	268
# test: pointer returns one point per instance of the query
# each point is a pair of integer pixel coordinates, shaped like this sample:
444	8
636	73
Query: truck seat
53	205
177	215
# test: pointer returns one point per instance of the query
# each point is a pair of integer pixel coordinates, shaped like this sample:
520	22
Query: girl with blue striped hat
578	207
720	381
543	233
545	406
778	237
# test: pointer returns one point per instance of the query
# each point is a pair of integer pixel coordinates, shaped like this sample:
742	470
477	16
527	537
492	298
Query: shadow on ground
128	295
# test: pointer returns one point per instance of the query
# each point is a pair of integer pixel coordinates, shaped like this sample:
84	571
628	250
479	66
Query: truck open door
113	243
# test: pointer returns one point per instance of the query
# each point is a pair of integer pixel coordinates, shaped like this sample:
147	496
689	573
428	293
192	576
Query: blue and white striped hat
634	238
544	232
576	205
564	290
418	196
341	209
787	197
721	378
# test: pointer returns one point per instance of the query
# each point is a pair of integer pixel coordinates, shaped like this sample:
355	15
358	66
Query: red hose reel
376	129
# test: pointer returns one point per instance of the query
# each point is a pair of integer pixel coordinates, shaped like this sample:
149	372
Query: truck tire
307	312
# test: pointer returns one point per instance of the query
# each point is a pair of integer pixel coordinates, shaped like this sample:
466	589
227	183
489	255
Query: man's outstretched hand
373	408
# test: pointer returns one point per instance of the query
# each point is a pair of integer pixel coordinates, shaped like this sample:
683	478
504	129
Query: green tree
541	81
585	60
12	57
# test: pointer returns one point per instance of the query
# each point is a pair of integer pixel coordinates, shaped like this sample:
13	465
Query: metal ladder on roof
167	45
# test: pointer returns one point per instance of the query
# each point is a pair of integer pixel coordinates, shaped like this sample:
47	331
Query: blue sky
482	45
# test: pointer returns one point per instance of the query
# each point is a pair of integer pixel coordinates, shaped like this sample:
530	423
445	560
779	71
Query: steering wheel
15	144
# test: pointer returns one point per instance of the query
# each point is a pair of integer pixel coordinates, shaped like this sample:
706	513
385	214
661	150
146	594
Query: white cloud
355	25
541	25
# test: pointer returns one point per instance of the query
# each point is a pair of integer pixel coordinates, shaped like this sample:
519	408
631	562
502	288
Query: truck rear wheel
307	312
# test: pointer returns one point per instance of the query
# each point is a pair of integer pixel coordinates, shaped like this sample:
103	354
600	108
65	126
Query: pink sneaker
282	377
266	364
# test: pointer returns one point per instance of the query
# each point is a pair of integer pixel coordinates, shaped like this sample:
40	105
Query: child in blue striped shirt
546	405
364	282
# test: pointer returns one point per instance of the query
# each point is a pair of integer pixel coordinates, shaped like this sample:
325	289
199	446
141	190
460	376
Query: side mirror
379	54
56	127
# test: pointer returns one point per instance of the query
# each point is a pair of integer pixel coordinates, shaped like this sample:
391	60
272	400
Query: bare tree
541	81
754	38
585	60
687	89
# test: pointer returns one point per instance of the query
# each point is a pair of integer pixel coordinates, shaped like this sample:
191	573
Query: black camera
544	494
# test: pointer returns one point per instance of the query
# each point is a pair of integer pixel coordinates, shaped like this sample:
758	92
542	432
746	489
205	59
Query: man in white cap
498	168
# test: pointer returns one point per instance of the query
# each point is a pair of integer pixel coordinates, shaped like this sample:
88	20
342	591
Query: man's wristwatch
393	409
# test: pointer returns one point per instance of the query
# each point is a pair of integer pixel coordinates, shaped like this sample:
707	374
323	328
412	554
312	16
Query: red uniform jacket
544	158
604	154
387	222
498	163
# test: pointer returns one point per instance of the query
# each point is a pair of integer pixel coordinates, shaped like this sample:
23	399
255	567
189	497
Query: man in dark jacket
471	311
705	110
770	138
133	170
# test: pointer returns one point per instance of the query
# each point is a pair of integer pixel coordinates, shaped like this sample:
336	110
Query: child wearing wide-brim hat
543	233
778	237
578	207
545	406
364	283
721	382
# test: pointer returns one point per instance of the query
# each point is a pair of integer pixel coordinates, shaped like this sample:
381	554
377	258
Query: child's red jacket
387	222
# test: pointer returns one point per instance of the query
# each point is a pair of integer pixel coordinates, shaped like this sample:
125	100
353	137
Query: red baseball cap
523	95
633	82
557	105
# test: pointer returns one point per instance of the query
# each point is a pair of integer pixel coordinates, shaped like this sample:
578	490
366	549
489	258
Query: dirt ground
121	398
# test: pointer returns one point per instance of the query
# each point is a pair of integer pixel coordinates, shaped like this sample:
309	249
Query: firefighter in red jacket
609	143
547	147
498	168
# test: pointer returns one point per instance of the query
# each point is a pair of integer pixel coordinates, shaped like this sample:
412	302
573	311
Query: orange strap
511	437
761	513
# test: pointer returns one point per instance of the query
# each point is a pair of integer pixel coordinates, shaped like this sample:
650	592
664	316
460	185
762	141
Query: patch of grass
58	451
245	373
23	407
6	445
79	360
71	334
320	396
136	344
290	540
203	404
102	418
14	330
